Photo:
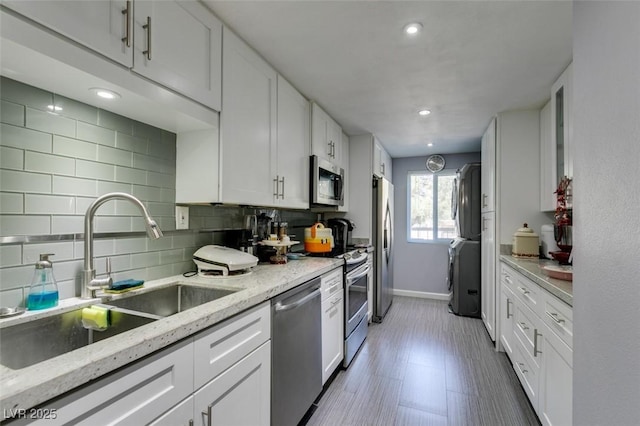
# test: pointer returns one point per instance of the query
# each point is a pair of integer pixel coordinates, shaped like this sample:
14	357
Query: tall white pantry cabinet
511	188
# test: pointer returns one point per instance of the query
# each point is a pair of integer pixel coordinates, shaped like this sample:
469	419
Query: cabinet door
488	281
134	395
180	415
239	396
377	159
386	166
488	178
548	181
100	25
326	136
561	124
556	381
332	334
347	173
507	300
247	125
293	147
179	45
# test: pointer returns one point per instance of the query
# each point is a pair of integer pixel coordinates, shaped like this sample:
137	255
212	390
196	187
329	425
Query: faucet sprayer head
153	230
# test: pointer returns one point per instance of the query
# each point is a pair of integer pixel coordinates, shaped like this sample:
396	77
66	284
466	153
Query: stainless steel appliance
383	241
355	303
296	353
327	182
464	276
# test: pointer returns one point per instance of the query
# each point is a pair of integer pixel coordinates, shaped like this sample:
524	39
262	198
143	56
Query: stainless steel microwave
327	182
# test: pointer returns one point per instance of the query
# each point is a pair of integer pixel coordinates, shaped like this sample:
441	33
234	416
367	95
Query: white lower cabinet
240	395
221	376
538	337
332	305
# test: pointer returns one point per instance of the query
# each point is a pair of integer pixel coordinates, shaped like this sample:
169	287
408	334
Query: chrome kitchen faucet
89	281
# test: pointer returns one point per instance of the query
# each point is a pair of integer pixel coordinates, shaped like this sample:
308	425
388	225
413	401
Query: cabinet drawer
508	277
526	329
529	293
134	395
527	373
331	283
559	318
225	344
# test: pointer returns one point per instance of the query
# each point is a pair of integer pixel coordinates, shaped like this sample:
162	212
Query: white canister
525	243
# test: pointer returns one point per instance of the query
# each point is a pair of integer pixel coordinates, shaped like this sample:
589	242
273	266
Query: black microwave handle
337	187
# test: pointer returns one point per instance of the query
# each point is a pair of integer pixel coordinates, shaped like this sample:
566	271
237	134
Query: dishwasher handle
280	307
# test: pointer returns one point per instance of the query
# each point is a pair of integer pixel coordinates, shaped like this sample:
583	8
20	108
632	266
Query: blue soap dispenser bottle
43	292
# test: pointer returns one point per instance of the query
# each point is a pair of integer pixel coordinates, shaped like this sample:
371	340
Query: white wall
420	267
606	69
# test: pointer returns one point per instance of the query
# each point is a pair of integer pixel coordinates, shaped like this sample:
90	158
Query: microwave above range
327	183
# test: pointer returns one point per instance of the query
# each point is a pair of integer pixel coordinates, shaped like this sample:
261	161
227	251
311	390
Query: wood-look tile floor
425	366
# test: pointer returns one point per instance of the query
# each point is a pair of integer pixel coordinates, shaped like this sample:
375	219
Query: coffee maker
341	229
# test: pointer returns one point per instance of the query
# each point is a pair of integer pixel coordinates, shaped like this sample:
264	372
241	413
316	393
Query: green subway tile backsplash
55	165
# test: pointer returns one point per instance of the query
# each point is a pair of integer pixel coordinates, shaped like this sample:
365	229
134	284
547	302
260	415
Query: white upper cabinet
488	178
174	43
326	136
381	161
561	123
292	156
179	44
104	26
247	125
556	131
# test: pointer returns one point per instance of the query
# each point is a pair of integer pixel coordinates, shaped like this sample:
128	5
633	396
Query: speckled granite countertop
38	383
532	269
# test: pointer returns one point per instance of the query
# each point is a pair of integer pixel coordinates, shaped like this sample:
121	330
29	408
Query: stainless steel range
356	283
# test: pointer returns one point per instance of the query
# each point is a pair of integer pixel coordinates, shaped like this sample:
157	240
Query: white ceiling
472	60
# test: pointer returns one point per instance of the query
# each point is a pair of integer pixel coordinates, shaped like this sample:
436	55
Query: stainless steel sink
45	338
170	300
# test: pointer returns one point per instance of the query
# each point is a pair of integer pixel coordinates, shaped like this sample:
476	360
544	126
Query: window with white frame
430	217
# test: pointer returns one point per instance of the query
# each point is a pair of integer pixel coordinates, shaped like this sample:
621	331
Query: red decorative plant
564	205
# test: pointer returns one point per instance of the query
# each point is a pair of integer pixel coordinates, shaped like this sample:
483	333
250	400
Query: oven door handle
352	279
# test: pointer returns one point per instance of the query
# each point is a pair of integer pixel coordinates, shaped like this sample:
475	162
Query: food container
559	272
525	243
318	239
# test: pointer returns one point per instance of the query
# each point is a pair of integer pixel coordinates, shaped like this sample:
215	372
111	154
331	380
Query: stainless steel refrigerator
383	241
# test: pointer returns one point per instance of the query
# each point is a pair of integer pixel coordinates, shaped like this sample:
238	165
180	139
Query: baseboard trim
421	294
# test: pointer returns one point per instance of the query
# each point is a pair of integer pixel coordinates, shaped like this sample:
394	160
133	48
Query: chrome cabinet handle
554	317
507	279
208	414
382	167
521	365
509	314
523	325
127	24
524	290
190	422
147	27
484	200
275	185
535	342
484	221
282	181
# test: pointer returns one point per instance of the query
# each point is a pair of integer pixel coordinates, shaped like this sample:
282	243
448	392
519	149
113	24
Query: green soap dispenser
43	292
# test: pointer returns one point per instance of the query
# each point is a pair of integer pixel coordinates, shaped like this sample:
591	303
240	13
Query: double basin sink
35	341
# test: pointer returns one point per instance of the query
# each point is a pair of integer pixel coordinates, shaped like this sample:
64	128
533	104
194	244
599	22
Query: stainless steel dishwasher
296	349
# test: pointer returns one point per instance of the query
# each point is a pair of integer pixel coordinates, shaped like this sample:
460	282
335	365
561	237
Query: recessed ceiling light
105	93
55	108
424	112
413	28
429	144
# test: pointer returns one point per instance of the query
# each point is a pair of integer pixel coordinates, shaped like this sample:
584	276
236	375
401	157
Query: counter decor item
43	292
525	243
318	239
560	272
562	229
